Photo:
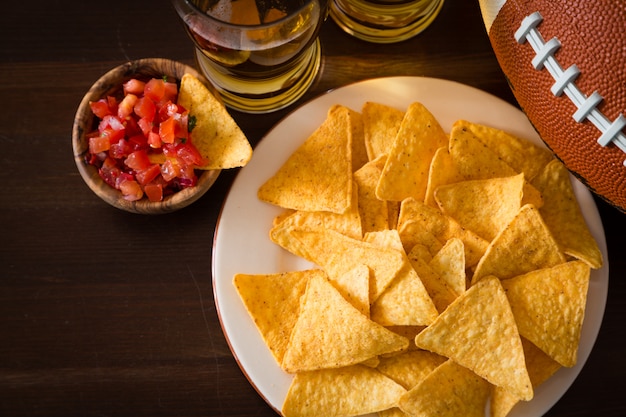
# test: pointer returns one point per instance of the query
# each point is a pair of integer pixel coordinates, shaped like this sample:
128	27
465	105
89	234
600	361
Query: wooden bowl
85	122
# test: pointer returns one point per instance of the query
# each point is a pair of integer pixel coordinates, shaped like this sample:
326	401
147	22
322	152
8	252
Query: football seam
565	82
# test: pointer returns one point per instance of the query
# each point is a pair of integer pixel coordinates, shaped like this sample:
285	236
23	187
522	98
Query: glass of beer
384	21
261	55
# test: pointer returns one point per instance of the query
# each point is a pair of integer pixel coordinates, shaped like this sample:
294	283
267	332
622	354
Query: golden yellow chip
331	333
410	368
549	307
318	175
562	214
374	213
354	286
408	162
340	392
442	171
338	254
524	245
273	302
406	302
380	126
450	390
478	331
482	206
449	264
216	135
419	223
520	154
475	161
540	367
439	290
355	130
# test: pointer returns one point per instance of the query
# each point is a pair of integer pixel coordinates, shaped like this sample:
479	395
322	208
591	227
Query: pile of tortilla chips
452	268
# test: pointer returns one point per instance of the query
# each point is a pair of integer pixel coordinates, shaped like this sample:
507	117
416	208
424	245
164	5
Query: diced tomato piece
112	102
155	89
147	175
134	86
100	108
138	160
131	190
170	92
99	144
145	108
120	150
167	130
189	154
154	140
154	192
145	125
126	106
110	172
170	170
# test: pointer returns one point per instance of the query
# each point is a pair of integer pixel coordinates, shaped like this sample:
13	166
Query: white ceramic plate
242	244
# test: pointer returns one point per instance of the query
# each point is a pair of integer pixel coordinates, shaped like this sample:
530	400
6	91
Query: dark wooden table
106	313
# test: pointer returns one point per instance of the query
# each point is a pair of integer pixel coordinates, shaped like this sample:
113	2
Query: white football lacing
611	132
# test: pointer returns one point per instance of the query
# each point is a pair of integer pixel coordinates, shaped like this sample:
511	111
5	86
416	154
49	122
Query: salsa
142	145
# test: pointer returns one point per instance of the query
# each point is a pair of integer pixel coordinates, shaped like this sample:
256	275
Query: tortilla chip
273	303
478	331
524	245
562	214
374	213
216	135
408	162
540	367
449	264
410	368
520	154
482	206
331	333
318	175
355	130
340	392
549	308
354	286
405	302
380	126
439	290
451	390
419	223
475	161
338	254
442	171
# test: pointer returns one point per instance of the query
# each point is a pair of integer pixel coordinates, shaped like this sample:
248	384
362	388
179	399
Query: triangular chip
331	333
549	308
442	171
340	392
354	285
520	154
318	175
439	290
374	213
273	303
449	264
478	331
482	206
338	254
562	214
410	368
475	161
380	126
540	367
216	135
451	390
408	162
405	302
524	245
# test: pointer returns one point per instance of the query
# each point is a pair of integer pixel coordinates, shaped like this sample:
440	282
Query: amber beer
260	54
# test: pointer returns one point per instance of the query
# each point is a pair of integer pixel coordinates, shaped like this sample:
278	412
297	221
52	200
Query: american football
565	61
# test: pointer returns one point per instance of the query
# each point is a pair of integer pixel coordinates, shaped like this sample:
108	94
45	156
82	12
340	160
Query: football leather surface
565	61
